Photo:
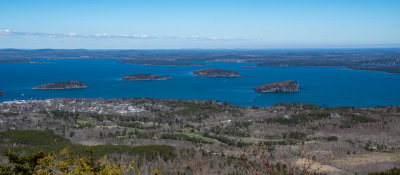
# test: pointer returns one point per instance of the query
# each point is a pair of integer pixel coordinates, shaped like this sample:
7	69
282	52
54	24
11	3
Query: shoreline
186	100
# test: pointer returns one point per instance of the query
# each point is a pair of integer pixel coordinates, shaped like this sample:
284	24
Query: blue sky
174	24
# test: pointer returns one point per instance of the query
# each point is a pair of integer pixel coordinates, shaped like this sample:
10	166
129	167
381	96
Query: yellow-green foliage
63	163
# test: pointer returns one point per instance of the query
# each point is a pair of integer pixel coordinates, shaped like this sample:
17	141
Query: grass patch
122	127
190	134
84	122
140	125
227	140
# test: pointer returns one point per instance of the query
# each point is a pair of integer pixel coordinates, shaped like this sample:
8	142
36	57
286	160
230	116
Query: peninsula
387	69
159	62
216	73
281	86
63	85
136	77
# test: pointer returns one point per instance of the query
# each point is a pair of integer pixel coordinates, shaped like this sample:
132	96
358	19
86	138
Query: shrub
362	119
394	171
295	135
227	140
332	138
179	136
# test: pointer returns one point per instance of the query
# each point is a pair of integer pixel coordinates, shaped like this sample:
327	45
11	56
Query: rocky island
1	93
281	86
63	85
144	77
216	73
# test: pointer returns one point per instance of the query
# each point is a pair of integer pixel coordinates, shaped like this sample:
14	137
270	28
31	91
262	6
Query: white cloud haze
8	32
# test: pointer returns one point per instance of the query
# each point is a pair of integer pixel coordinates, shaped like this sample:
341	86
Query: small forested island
159	62
63	85
216	73
1	93
144	77
388	69
281	86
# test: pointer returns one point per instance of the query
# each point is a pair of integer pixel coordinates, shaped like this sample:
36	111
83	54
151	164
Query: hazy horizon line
267	48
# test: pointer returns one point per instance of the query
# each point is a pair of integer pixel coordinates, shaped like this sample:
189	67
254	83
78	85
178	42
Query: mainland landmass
144	77
281	86
63	85
216	73
159	62
388	69
14	61
352	58
200	137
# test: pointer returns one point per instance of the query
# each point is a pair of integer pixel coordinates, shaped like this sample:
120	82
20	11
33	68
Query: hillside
219	135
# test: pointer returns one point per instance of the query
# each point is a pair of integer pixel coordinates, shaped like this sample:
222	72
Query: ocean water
325	86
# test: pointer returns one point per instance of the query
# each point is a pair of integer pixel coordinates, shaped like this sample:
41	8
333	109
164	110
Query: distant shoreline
354	58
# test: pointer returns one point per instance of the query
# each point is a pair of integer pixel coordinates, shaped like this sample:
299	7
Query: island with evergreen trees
216	73
281	86
137	77
63	85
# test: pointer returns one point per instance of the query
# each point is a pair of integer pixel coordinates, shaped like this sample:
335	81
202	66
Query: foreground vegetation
203	137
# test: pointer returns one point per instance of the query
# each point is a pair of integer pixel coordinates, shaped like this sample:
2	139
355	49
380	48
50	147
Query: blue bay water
325	86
